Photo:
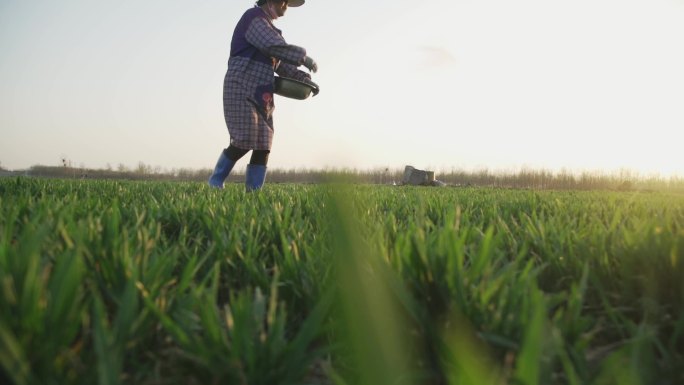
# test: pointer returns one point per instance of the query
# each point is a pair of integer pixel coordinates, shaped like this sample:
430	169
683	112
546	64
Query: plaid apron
257	51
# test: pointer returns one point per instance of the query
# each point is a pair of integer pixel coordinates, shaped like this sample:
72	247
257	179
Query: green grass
109	282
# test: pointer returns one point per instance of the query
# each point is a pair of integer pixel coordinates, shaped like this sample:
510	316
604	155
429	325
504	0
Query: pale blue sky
498	84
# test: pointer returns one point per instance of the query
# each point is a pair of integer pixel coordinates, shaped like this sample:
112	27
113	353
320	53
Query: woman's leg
225	164
260	157
233	153
256	170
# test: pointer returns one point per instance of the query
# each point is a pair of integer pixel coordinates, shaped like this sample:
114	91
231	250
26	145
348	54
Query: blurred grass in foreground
168	283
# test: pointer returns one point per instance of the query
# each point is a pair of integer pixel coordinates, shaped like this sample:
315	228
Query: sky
574	85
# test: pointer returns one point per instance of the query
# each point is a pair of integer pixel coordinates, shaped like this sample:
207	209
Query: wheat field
116	282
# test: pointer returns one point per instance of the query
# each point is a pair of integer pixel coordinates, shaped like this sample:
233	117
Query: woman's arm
290	71
267	40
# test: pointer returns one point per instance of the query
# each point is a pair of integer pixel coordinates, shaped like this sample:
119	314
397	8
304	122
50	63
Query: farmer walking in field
257	51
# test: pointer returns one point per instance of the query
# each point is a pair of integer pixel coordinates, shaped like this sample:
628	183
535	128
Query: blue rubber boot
223	168
256	175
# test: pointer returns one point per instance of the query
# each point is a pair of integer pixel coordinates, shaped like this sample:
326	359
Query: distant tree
143	169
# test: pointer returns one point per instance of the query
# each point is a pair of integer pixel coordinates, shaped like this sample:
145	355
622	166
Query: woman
257	51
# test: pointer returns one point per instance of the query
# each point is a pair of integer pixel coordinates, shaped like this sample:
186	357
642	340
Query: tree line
624	180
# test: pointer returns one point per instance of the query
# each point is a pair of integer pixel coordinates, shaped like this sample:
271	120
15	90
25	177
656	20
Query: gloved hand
310	64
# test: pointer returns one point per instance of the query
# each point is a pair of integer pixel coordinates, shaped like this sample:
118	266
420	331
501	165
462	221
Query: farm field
114	282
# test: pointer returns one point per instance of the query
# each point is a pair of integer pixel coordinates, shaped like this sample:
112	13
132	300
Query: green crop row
173	283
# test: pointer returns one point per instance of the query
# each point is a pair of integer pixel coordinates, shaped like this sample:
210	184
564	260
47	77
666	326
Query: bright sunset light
278	192
580	85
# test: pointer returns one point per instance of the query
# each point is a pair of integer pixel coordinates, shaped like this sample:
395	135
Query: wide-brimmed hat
290	3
